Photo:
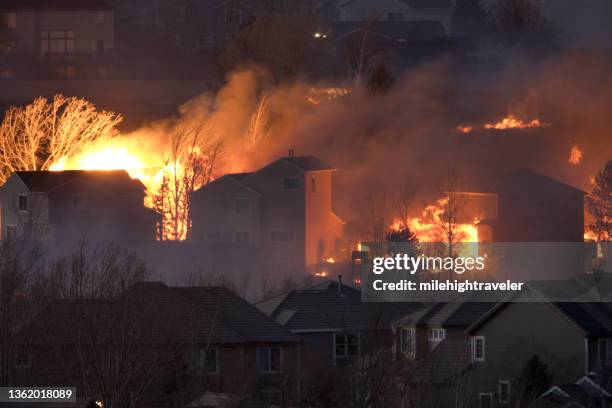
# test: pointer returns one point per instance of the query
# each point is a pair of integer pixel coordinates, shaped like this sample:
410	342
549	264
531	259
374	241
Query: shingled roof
59	5
117	181
325	307
156	311
308	163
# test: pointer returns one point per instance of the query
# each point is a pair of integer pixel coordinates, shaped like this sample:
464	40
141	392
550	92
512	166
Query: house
588	391
283	210
572	338
180	342
337	329
56	38
59	206
439	11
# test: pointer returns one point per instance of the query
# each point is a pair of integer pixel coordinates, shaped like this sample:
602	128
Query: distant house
179	342
439	11
588	391
283	210
55	38
64	205
335	326
572	338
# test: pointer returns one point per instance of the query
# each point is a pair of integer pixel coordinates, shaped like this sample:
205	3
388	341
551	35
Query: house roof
449	359
156	311
54	5
308	163
112	180
323	307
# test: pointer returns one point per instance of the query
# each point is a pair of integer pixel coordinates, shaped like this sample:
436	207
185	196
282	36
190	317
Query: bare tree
599	204
43	133
190	164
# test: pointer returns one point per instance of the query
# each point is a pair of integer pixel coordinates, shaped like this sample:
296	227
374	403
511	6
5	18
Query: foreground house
65	205
571	338
156	345
282	213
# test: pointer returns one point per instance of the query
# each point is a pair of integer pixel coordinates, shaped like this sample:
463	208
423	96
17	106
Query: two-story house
573	339
176	342
439	11
284	210
337	329
56	38
64	205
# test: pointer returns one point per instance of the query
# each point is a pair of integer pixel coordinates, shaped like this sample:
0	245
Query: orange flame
509	122
575	156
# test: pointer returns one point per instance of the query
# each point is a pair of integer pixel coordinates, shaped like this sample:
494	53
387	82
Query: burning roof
111	180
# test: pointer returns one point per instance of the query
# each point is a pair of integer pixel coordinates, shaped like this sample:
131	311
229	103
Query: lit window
503	391
23	202
291	183
478	348
56	41
269	359
347	344
437	334
282	236
485	400
242	206
233	17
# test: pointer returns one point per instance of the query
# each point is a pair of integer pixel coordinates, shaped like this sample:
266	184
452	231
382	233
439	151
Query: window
99	17
347	344
282	236
478	348
9	20
205	42
503	391
485	400
269	359
56	41
209	360
23	202
313	185
394	16
11	231
78	201
605	349
242	206
213	235
100	46
291	183
407	337
23	358
437	334
233	17
243	237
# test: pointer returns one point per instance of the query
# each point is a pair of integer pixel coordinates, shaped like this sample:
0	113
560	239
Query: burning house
63	205
283	210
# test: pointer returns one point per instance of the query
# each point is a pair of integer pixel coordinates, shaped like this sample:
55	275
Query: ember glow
575	156
318	95
509	122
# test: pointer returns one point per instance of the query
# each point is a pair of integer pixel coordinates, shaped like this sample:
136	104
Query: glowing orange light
575	156
330	260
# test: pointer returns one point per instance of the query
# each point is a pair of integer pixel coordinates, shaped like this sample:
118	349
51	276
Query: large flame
575	156
432	225
509	122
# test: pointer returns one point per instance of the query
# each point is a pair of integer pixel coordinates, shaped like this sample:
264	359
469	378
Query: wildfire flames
575	156
432	225
509	122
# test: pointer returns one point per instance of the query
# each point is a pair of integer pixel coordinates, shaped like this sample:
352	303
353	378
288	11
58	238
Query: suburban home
337	329
283	210
60	206
439	11
56	38
588	391
572	339
182	342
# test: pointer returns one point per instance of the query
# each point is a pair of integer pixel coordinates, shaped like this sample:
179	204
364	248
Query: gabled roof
308	163
117	181
156	311
324	308
54	5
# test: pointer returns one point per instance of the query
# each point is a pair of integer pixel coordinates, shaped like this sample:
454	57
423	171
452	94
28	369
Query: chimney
339	283
291	152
